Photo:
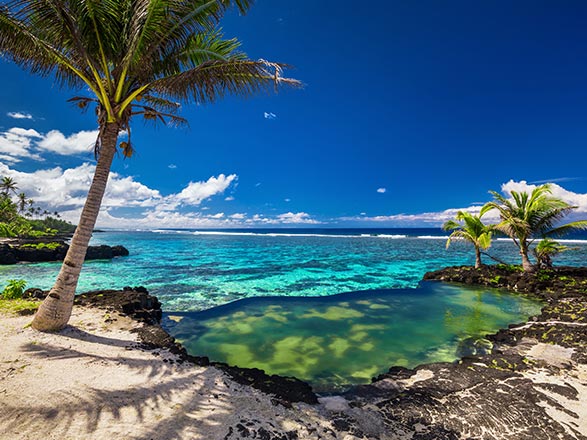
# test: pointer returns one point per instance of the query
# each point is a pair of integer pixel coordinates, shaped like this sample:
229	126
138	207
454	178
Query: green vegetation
14	289
472	230
18	221
51	246
19	306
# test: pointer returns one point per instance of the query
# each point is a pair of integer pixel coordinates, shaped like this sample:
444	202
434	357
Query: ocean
193	270
296	315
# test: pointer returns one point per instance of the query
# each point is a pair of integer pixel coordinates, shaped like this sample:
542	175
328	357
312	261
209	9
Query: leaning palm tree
135	57
472	230
527	217
8	185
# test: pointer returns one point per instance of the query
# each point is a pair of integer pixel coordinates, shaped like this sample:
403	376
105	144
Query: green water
333	342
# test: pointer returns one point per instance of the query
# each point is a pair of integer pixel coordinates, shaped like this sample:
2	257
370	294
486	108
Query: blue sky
410	111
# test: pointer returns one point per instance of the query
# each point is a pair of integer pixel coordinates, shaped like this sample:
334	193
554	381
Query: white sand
88	382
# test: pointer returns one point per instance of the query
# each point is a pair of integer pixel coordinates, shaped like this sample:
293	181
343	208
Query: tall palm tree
8	185
136	57
527	217
472	230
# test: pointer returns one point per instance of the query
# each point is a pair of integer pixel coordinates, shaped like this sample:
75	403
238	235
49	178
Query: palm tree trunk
56	309
477	257
526	264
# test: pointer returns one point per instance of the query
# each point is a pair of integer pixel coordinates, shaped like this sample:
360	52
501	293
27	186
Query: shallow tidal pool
337	341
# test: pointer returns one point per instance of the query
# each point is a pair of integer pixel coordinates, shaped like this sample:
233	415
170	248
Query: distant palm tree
22	202
138	57
527	217
472	230
8	185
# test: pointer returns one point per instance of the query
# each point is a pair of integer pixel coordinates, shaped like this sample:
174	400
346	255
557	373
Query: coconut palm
22	202
8	185
135	57
526	217
469	227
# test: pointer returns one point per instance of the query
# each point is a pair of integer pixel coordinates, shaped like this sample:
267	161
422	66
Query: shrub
14	289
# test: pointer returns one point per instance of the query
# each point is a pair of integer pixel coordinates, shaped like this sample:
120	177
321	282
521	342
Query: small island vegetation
526	218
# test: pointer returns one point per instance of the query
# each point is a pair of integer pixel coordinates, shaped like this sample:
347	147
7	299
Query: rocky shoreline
13	252
530	384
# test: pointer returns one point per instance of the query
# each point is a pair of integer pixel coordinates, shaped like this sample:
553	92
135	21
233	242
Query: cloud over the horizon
439	217
65	190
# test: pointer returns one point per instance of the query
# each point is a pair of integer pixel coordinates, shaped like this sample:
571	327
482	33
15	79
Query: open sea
192	271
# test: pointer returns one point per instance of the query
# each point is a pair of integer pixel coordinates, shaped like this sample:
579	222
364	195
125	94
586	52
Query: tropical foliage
469	227
136	58
527	217
14	223
14	289
545	250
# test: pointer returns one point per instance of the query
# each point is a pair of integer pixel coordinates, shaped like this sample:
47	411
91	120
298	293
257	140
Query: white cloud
196	192
238	216
19	115
268	115
172	166
229	198
297	218
381	190
287	200
575	199
57	142
19	143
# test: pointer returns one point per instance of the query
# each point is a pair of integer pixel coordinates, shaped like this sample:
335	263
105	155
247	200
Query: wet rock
22	251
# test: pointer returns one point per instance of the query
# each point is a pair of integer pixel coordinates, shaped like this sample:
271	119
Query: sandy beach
94	380
91	381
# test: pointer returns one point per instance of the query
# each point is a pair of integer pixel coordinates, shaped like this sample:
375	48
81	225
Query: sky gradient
410	111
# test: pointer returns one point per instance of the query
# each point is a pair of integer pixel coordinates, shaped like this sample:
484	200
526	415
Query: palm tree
546	249
472	230
526	217
8	185
136	57
22	202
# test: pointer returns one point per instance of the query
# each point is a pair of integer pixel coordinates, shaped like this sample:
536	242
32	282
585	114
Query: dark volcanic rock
11	254
7	255
289	389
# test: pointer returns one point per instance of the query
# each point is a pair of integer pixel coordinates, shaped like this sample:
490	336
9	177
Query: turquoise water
191	271
333	342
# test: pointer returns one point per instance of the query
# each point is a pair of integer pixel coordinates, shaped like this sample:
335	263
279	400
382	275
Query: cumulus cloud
172	166
196	192
19	115
268	115
57	142
19	143
381	190
575	199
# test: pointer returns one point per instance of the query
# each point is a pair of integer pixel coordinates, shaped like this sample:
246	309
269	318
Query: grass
18	306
